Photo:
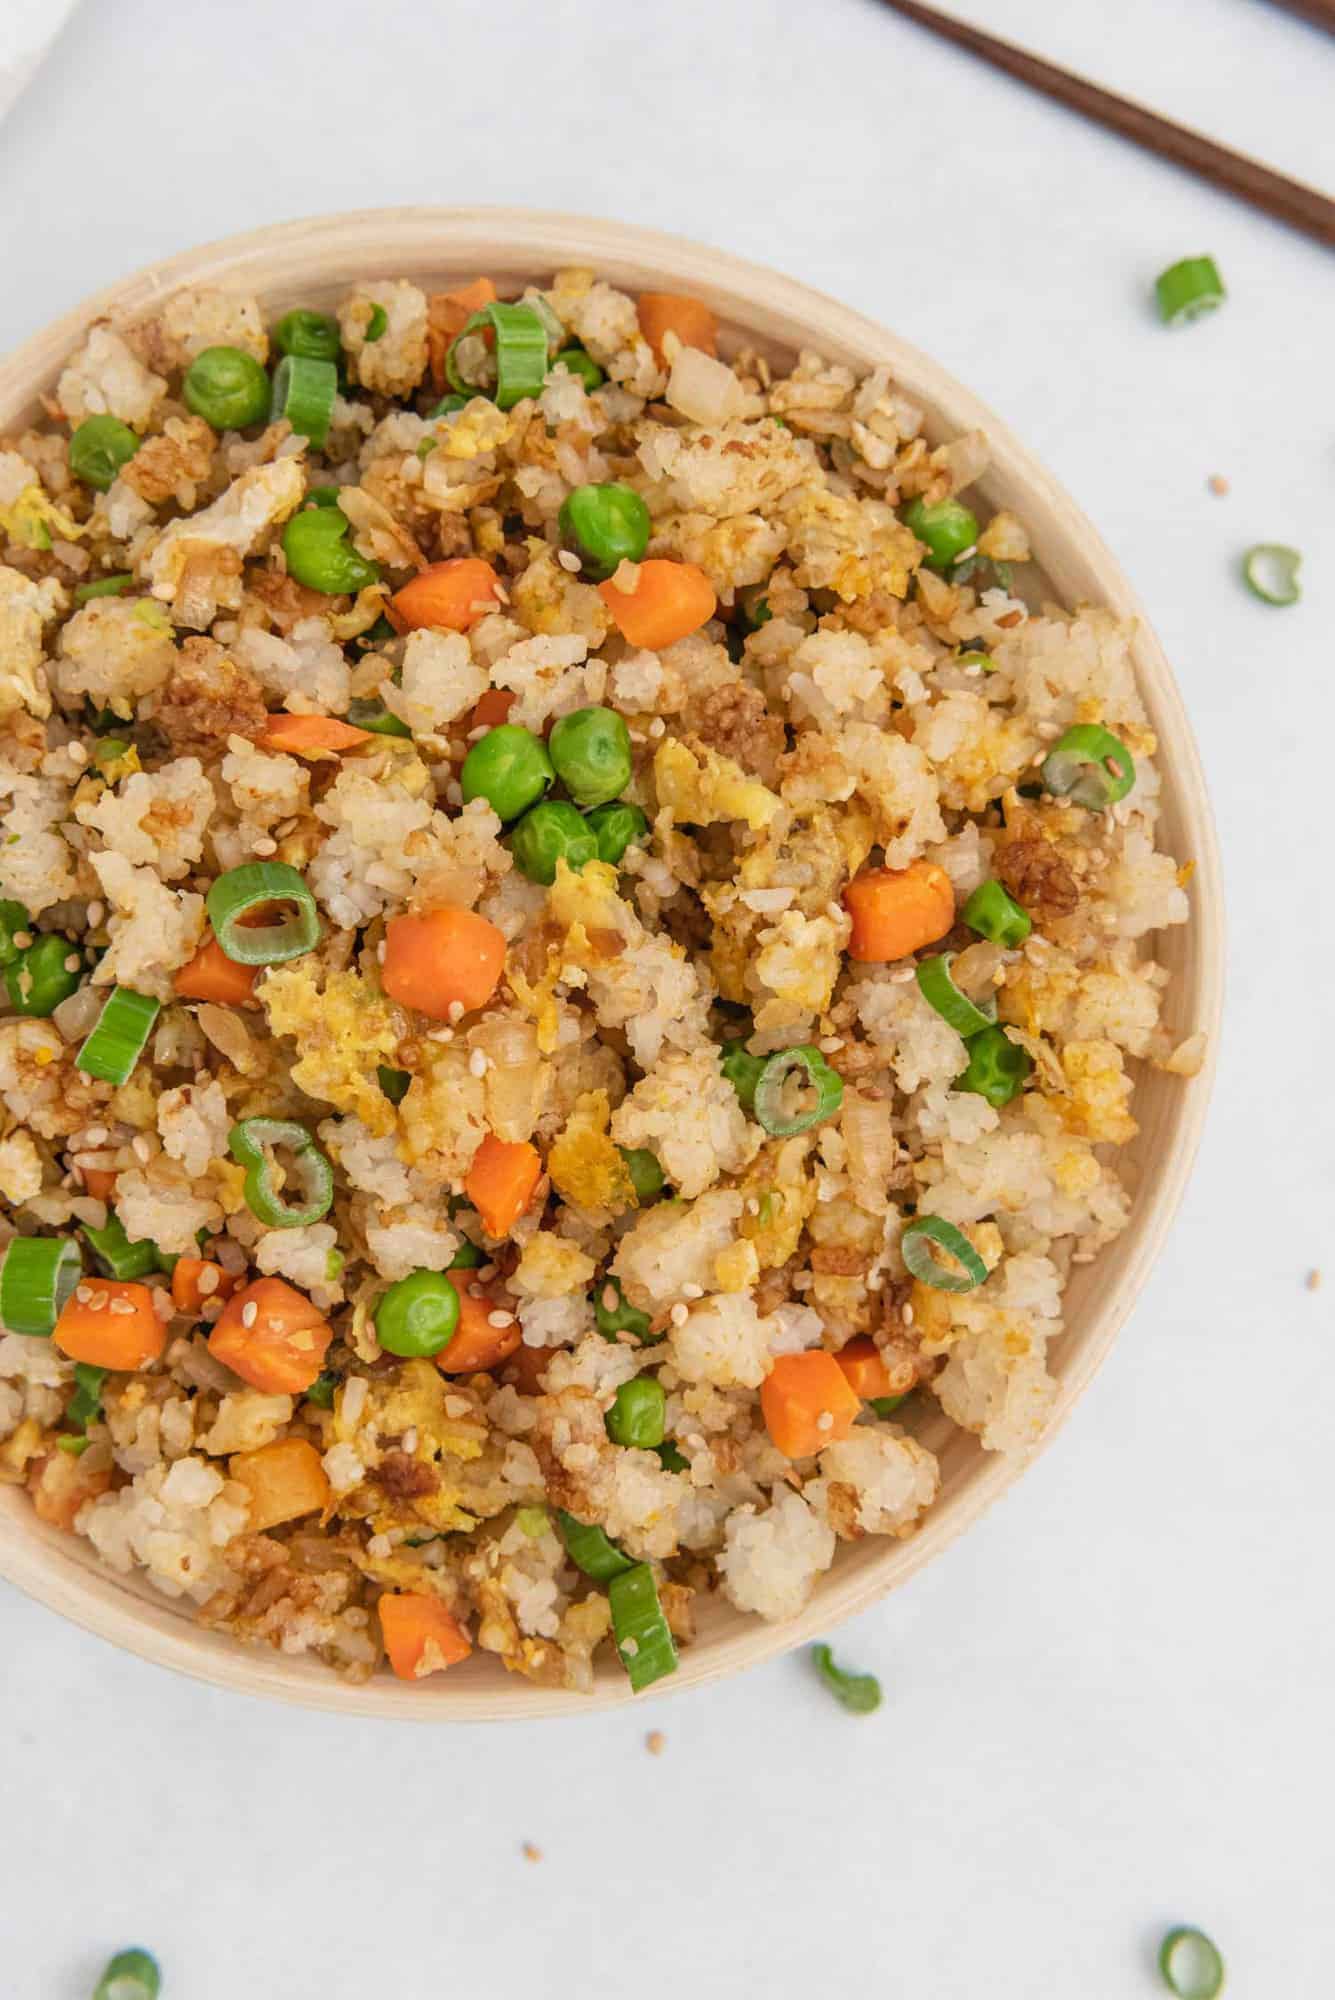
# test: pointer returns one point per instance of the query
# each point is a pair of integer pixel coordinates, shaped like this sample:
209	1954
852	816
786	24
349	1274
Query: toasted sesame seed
76	753
121	1308
142	1147
441	1035
95	914
655	1743
454	795
208	1281
691	1290
825	1421
903	974
1047	730
250	1312
1218	484
23	939
530	1852
568	560
1314	1281
454	1013
679	1315
907	1315
265	845
73	962
830	1044
500	1318
84	1294
752	1204
658	727
477	1063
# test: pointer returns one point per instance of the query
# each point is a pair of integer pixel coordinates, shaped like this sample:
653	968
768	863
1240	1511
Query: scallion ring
1191	1964
916	1245
37	1280
119	1035
118	1256
1090	766
640	1630
860	1694
939	990
252	887
521	353
1270	572
1188	289
591	1550
85	1405
771	1086
253	1144
304	392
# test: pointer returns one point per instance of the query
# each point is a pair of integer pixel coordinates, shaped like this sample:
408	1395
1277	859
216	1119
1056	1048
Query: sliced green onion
671	1459
860	1694
590	1550
105	586
130	1975
373	715
37	1279
252	1145
251	887
120	1035
997	1067
85	1405
646	1174
885	1406
1188	289
742	1070
321	1391
396	1083
647	1648
323	496
613	1314
1090	766
521	353
448	406
994	915
577	362
970	656
939	990
1191	1964
770	1087
304	393
118	1256
532	1521
13	922
915	1247
754	606
109	751
75	1446
375	326
1270	572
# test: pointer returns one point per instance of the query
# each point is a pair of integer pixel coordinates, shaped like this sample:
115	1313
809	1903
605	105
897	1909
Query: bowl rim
450	241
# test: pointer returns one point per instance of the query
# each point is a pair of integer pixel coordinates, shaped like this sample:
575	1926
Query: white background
1109	1708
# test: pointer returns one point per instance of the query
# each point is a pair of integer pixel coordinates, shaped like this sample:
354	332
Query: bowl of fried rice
611	943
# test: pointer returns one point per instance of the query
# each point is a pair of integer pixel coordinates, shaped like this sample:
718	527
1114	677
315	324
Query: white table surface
1109	1708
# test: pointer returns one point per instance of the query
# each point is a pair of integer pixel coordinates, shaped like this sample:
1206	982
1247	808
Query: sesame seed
1314	1281
76	753
692	1291
264	845
73	962
95	1135
96	913
477	1063
454	1013
752	1204
83	1293
380	953
568	560
500	1318
121	1308
23	939
97	1303
629	1648
530	1852
250	1312
611	1298
658	727
679	1315
903	974
973	670
162	1302
825	1421
830	1044
907	1315
142	1147
1217	483
441	1035
208	1280
454	795
1047	730
655	1743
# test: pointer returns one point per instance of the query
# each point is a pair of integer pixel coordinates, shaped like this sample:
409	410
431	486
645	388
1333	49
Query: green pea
548	833
310	335
581	364
448	406
646	1174
130	1975
612	1314
373	715
42	976
99	448
418	1316
467	1258
638	1416
591	752
104	586
324	496
742	1070
228	388
320	555
616	826
997	1066
947	529
605	525
509	768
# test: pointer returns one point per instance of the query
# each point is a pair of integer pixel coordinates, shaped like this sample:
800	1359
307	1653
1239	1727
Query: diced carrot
865	1371
476	1344
272	1337
807	1403
212	975
445	958
491	708
669	602
100	1182
447	596
447	315
58	1484
195	1280
501	1181
311	735
675	312
284	1479
896	911
421	1637
111	1323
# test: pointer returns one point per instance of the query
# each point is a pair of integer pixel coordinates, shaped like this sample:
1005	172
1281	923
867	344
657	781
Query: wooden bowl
311	263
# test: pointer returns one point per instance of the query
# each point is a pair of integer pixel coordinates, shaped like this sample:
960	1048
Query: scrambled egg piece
414	1399
784	1196
343	1030
1099	1090
698	785
586	1167
28	521
936	1314
24	607
586	903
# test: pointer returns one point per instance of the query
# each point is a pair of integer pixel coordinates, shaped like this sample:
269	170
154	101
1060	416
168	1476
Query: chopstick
1291	202
1321	13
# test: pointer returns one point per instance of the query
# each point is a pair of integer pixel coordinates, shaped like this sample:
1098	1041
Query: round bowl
310	263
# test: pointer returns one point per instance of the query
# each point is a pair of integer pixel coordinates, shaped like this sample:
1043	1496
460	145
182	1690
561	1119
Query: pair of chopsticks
1291	202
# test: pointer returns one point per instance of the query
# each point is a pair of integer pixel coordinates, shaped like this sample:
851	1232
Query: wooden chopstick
1301	207
1321	13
